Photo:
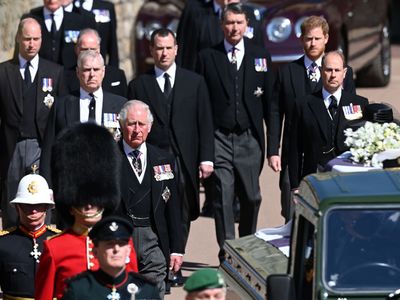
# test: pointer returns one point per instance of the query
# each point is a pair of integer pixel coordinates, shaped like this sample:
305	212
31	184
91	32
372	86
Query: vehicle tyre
377	74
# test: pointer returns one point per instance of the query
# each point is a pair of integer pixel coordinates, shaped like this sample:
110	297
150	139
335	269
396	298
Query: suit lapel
151	87
298	79
156	186
318	109
178	92
14	76
223	66
72	109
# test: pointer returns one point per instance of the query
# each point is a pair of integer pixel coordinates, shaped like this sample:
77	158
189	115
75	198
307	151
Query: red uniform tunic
66	255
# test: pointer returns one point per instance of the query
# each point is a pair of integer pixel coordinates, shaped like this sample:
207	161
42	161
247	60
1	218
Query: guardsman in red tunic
85	177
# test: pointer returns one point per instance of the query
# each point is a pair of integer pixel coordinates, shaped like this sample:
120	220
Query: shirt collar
171	71
98	94
326	95
308	61
34	61
128	149
59	13
239	46
217	7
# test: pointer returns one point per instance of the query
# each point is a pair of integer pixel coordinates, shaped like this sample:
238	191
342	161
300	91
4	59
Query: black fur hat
85	169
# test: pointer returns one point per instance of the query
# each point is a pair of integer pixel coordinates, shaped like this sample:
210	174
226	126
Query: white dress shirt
143	158
308	62
34	65
84	105
160	76
239	51
58	17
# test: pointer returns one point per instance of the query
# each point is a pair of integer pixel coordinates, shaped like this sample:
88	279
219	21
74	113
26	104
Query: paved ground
202	247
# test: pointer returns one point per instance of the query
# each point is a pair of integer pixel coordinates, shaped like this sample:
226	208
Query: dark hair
236	8
163	32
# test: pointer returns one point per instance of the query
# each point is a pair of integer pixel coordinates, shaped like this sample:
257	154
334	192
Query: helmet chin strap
88	216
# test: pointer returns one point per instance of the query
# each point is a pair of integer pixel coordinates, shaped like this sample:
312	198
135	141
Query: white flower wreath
373	142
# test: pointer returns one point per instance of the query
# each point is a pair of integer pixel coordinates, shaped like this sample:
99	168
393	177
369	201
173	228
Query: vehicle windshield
361	249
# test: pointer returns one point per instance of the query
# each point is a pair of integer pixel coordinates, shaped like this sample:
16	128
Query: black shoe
177	280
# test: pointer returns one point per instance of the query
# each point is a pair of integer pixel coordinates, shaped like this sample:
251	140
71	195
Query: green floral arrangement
372	143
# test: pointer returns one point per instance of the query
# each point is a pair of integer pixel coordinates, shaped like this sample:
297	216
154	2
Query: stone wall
126	10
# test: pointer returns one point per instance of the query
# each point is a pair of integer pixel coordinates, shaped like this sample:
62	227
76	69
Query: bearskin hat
85	169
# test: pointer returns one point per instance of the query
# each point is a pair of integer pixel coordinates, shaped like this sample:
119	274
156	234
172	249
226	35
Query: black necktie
27	74
92	108
333	106
234	58
136	161
53	29
167	85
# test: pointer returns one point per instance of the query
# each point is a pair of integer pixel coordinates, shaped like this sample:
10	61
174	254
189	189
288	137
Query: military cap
33	189
111	228
85	169
204	279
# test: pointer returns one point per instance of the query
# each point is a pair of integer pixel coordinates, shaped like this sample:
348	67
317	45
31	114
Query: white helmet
33	189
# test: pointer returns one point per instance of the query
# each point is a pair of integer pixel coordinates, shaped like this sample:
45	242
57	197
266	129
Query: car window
361	249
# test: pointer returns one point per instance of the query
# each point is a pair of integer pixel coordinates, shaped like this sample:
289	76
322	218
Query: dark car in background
360	28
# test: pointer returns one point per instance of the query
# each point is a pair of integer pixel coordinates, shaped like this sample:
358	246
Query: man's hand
205	170
274	162
175	262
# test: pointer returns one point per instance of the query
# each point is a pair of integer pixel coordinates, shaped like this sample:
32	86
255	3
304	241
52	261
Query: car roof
322	190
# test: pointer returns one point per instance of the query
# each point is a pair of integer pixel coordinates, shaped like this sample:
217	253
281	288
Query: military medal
166	194
258	92
35	253
132	289
71	36
48	101
111	122
47	85
114	295
260	64
249	32
101	15
163	172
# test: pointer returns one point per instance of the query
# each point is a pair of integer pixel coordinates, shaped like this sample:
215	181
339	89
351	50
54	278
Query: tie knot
313	67
166	75
135	154
28	64
91	96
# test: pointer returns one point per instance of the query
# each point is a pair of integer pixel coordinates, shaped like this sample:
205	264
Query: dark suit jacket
11	104
106	25
200	28
64	114
312	138
71	21
166	215
191	121
290	85
220	84
114	81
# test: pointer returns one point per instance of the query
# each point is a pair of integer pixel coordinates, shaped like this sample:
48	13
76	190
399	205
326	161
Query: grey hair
89	53
130	104
88	31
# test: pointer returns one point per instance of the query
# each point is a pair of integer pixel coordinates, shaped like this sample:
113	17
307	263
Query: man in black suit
240	79
183	120
89	103
106	21
321	119
60	30
28	87
114	79
200	28
296	79
149	196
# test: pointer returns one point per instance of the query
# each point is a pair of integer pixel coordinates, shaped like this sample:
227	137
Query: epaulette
56	235
8	230
53	228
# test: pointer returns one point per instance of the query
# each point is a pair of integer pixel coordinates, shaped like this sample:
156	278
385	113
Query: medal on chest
35	253
114	295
